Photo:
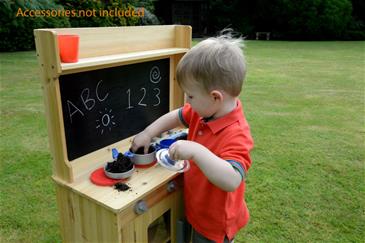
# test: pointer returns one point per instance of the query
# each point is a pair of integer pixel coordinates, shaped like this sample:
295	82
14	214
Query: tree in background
231	14
285	19
17	32
99	21
315	19
290	19
357	25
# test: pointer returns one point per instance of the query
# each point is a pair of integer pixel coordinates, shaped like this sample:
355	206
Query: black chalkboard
101	107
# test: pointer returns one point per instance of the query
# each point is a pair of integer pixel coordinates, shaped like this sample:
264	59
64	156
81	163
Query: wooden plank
100	62
89	220
63	214
107	226
47	53
176	93
76	217
183	36
111	40
177	212
128	233
84	221
70	222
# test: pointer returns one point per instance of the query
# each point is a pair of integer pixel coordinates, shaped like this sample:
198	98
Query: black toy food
122	164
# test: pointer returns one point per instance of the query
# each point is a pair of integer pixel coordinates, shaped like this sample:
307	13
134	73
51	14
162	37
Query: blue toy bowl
166	143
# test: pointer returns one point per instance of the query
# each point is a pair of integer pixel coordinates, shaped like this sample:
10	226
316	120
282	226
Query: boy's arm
218	171
162	124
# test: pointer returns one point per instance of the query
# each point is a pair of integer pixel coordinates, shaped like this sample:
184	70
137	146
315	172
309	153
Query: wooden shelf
112	60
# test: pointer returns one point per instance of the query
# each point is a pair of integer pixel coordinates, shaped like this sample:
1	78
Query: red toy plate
99	178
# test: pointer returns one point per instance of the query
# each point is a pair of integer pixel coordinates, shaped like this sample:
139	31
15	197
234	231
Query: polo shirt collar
224	121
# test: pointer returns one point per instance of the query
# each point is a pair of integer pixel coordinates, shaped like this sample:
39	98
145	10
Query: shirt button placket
200	132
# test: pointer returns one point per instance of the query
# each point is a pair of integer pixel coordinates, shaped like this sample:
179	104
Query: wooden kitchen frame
91	213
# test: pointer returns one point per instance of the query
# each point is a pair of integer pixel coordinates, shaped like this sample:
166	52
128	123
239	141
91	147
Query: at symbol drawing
155	75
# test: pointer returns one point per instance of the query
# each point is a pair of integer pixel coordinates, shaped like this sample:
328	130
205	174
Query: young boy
219	140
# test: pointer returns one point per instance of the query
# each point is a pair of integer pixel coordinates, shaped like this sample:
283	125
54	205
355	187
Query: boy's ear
216	95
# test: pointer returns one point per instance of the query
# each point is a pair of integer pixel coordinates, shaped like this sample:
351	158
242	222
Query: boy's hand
184	150
142	139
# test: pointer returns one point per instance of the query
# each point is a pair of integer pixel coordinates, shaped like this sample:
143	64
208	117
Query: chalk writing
97	92
129	99
144	94
157	96
88	102
155	76
70	106
103	106
106	121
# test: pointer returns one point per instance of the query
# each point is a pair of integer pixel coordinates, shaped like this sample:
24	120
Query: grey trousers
187	234
198	238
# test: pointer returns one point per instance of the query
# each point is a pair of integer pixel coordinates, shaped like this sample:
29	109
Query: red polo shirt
211	211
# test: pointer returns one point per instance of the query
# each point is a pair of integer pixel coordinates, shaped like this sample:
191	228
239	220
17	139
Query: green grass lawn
305	104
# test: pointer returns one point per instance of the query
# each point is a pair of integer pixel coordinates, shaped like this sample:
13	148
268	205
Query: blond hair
215	63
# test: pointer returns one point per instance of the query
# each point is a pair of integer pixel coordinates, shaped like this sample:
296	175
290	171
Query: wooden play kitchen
124	79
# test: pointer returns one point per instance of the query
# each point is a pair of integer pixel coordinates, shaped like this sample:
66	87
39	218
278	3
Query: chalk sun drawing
106	122
155	75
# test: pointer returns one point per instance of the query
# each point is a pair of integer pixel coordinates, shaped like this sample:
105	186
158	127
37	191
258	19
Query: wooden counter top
143	181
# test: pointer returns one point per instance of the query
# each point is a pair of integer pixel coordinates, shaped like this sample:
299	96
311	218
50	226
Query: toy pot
139	158
118	175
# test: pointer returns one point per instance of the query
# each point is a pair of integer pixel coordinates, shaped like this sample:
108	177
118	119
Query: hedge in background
291	19
316	19
17	32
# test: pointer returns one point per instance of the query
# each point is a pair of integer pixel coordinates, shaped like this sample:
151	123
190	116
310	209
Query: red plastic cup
69	47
